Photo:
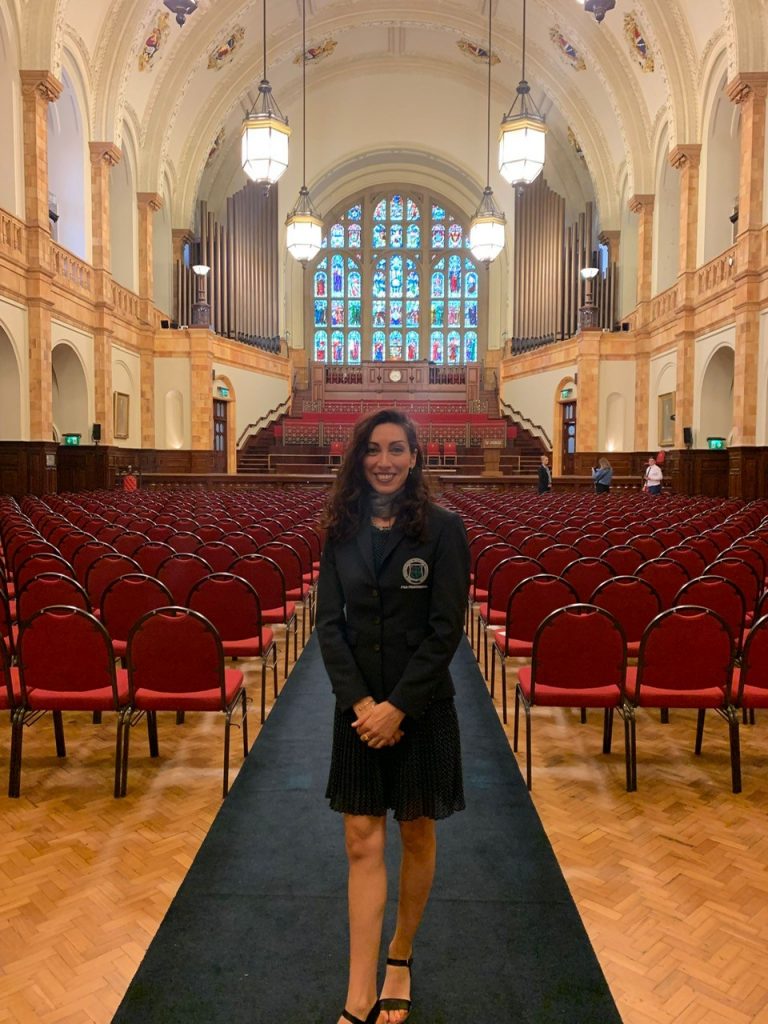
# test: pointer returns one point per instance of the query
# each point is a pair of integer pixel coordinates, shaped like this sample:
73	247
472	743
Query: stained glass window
395	281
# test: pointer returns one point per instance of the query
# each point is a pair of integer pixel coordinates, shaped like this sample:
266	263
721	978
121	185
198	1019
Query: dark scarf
385	506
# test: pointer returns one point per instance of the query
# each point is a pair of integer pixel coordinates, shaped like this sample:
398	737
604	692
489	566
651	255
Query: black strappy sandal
370	1019
386	1003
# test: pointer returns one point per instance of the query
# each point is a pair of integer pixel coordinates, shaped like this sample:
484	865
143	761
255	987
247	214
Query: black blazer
393	636
545	479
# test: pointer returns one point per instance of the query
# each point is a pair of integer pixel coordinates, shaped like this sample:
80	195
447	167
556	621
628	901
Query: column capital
747	83
685	156
106	152
46	85
151	199
642	203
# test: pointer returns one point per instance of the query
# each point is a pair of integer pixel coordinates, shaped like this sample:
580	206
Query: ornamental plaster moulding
224	52
685	156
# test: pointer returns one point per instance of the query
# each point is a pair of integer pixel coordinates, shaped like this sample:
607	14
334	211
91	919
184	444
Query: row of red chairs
685	660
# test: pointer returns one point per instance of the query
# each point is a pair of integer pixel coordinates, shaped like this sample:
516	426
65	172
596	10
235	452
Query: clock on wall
395	376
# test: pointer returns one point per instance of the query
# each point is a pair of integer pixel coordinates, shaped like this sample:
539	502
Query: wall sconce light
201	311
588	315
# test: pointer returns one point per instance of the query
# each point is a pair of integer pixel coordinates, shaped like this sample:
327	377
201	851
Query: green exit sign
716	442
566	392
72	439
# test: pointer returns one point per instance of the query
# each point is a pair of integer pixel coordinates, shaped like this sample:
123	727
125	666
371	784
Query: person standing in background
545	475
602	475
652	477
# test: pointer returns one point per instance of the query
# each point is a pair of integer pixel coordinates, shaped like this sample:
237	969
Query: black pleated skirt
419	777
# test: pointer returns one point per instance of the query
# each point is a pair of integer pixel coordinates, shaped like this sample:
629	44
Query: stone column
201	374
104	156
643	206
38	89
642	388
147	355
686	159
588	370
149	204
749	92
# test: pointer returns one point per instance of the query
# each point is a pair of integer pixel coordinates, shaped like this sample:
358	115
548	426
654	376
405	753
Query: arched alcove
10	391
720	163
716	403
666	227
66	169
70	393
615	412
174	419
11	174
123	218
124	384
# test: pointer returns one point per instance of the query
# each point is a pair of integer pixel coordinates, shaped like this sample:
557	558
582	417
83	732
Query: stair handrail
268	417
533	428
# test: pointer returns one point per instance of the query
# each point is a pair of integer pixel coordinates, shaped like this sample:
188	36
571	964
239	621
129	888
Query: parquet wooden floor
671	882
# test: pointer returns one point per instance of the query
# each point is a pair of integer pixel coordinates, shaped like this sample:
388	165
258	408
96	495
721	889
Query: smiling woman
392	595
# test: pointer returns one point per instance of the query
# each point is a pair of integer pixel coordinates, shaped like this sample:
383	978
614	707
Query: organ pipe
242	254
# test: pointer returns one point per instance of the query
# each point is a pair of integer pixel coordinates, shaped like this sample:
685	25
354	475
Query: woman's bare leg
367	892
417	870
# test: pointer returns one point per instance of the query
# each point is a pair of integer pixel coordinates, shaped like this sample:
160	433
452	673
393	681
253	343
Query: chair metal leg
699	730
119	739
179	718
58	734
154	748
664	716
733	731
17	737
227	728
263	695
629	749
493	669
244	702
97	718
607	729
274	671
517	719
126	740
503	689
583	716
527	745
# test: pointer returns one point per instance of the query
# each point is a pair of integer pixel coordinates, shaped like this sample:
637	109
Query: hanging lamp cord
264	31
524	12
304	93
488	127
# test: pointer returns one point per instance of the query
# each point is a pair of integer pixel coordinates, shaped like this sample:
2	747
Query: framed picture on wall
667	419
121	413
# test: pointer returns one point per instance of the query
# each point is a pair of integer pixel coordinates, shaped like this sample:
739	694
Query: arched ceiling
611	87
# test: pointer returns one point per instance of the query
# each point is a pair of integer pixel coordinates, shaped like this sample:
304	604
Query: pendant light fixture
182	9
486	232
265	131
522	135
304	228
599	8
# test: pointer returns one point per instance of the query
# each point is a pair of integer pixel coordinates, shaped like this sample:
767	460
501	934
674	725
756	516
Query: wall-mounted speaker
96	432
688	436
625	325
165	324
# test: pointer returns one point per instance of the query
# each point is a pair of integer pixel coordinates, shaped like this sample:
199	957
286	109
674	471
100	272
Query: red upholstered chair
665	576
633	603
722	596
750	681
129	542
751	556
151	554
42	561
692	560
208	531
704	545
180	572
109	533
86	555
586	574
218	554
184	543
579	661
591	545
336	453
295	587
534	544
267	579
449	453
123	603
10	686
243	543
160	531
686	661
176	663
623	559
492	613
569	535
18	554
745	578
649	547
65	664
527	606
69	544
433	453
50	588
232	605
555	558
103	570
487	560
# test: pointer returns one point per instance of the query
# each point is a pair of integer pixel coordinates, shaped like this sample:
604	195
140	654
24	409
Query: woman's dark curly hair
348	501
